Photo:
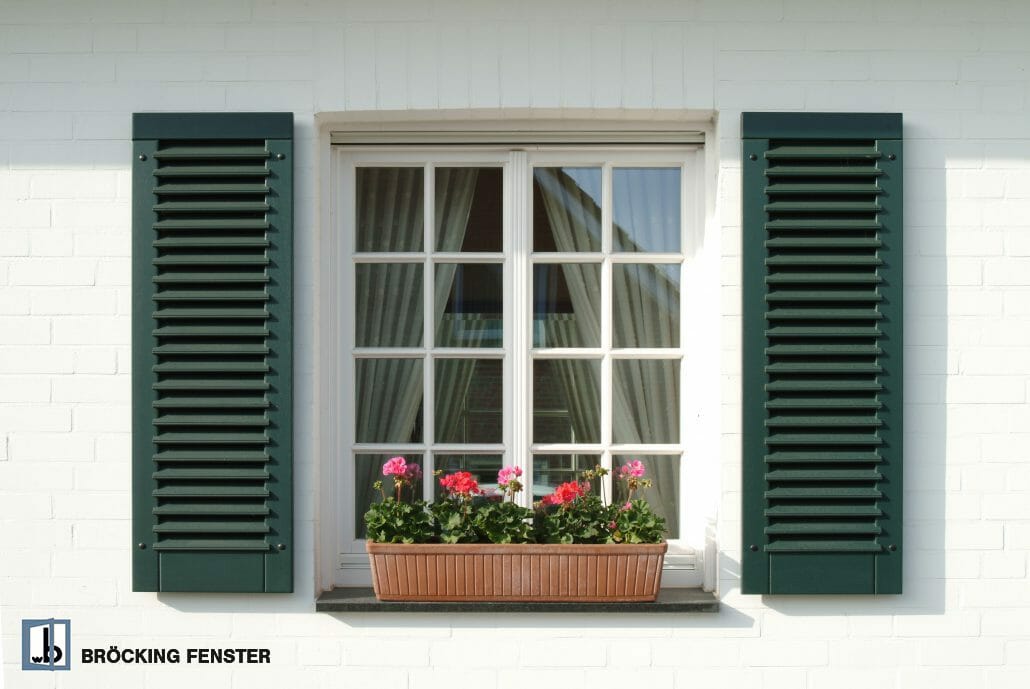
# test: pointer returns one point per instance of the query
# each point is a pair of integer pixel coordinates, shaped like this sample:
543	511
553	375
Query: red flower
460	483
566	493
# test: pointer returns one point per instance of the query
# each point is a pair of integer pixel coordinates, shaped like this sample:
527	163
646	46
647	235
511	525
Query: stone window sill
355	599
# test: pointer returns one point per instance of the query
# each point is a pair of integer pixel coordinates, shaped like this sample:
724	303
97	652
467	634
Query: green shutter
211	353
822	353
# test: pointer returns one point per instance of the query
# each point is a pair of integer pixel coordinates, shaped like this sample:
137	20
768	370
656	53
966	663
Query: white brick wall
72	72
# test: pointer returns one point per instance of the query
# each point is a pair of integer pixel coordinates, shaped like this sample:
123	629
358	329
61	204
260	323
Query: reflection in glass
469	400
557	291
645	305
469	305
388	305
567	209
483	468
551	470
388	400
646	209
566	401
389	209
663	496
645	401
368	468
468	210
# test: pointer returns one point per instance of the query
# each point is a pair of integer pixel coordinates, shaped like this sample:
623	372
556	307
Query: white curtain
646	313
392	314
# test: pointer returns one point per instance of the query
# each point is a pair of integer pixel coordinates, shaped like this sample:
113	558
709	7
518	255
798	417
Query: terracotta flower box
517	572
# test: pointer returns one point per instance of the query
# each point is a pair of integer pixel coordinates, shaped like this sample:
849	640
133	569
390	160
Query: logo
46	644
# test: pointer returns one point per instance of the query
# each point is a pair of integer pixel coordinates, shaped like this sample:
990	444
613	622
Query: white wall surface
72	71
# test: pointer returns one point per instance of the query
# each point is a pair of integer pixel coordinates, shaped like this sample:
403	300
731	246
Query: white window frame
347	561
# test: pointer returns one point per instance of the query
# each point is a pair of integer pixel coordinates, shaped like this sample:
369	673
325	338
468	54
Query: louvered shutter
212	302
822	353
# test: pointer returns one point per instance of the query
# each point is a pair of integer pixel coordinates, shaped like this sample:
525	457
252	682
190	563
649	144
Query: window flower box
530	572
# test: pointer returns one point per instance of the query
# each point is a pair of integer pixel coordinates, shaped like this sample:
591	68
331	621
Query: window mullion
429	333
518	334
606	324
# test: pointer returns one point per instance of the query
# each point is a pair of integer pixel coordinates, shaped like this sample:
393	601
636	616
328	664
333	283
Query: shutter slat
213	188
211	474
180	527
220	544
823	172
173	313
209	277
822	493
214	224
818	189
821	314
823	403
823	528
803	260
821	511
818	207
821	224
201	242
212	171
212	259
169	456
823	243
211	207
210	420
823	367
211	509
211	402
212	153
819	421
824	475
822	152
217	492
788	546
823	439
823	349
180	438
823	386
822	456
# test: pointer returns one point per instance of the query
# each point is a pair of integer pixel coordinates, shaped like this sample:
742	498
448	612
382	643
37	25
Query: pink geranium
395	466
507	475
632	469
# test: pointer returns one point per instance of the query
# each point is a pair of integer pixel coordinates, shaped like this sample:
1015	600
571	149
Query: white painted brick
1004	565
383	653
996	593
61	447
91	330
321	652
100	533
1005	678
91	389
561	653
696	652
73	592
439	679
53	271
75	301
962	652
21	215
114	39
985	390
1007	506
950	624
852	678
522	677
34	418
659	678
14	243
51	243
94	360
766	653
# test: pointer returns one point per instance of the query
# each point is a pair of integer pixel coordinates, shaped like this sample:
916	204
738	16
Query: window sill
362	599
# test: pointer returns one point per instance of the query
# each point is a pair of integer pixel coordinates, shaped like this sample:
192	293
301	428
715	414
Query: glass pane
567	209
367	470
469	209
469	400
389	209
566	401
388	400
646	209
567	305
646	401
469	305
483	468
645	305
388	305
663	495
549	471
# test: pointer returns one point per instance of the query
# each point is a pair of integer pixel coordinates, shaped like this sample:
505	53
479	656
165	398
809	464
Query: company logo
46	644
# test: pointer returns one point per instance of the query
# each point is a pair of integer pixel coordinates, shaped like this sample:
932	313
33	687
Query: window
526	306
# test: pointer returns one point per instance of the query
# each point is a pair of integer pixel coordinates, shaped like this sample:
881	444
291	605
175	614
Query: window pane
469	400
389	209
367	470
551	470
646	209
567	305
646	305
566	401
567	209
388	400
469	305
388	301
646	401
468	209
483	468
663	495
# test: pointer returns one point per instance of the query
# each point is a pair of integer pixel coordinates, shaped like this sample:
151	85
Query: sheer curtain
646	313
394	310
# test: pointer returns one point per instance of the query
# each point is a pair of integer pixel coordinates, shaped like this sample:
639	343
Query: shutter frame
198	551
772	563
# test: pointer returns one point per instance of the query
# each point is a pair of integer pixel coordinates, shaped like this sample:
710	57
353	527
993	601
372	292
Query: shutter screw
142	546
891	157
754	548
142	156
892	547
280	156
753	157
281	546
